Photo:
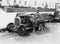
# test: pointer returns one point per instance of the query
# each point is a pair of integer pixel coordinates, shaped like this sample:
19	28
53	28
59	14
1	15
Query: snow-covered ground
47	37
6	18
50	37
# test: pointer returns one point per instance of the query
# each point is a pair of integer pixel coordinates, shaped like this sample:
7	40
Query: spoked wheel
10	27
21	30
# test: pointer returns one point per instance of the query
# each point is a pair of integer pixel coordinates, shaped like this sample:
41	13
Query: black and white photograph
29	21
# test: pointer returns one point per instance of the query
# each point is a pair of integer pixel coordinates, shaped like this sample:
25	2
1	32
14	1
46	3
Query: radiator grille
17	21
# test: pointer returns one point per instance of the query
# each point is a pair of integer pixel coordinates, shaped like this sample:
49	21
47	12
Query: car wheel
10	27
21	30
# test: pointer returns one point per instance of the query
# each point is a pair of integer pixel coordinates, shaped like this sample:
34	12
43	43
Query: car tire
21	30
9	26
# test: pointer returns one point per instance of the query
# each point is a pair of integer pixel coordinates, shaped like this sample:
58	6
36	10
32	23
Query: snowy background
5	18
48	37
39	3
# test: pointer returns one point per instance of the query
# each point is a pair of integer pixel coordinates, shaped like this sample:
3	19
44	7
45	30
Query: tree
35	3
46	6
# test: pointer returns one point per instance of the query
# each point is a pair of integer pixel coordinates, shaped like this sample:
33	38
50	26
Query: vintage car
24	22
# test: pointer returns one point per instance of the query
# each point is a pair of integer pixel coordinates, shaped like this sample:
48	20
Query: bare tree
25	3
35	3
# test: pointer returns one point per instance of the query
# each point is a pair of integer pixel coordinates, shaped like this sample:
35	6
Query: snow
6	18
48	37
51	37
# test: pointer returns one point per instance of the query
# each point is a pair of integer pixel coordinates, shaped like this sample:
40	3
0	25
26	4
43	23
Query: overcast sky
51	3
